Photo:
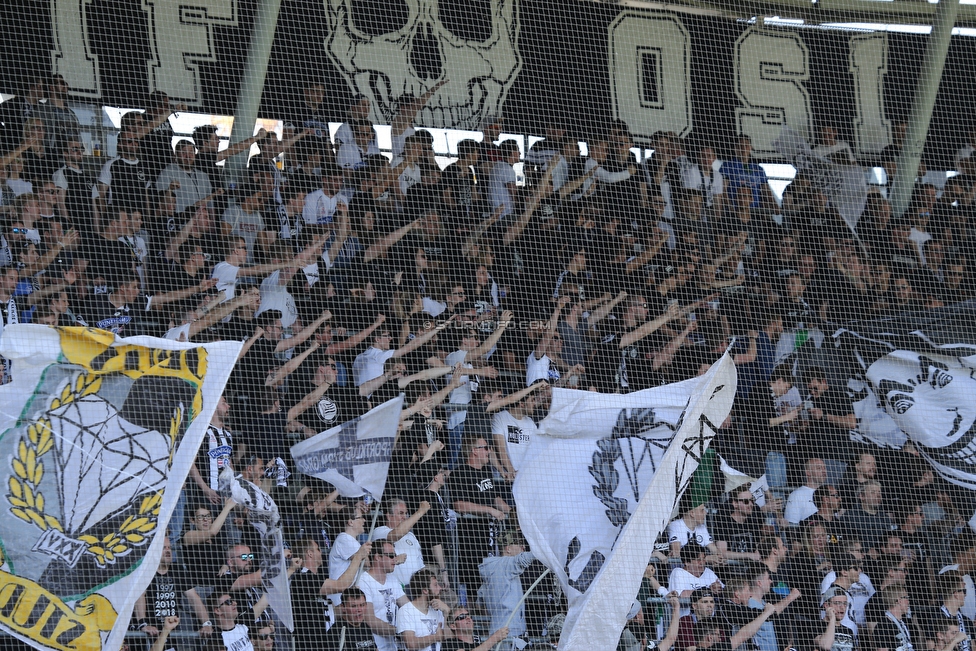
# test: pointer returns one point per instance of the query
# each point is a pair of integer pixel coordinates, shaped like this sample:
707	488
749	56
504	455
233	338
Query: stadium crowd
351	278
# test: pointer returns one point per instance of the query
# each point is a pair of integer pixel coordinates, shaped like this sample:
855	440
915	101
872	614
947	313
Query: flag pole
524	597
369	538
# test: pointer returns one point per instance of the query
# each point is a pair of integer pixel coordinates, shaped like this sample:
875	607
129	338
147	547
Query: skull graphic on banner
422	42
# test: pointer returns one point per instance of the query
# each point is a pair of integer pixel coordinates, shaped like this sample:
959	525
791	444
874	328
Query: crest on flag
96	443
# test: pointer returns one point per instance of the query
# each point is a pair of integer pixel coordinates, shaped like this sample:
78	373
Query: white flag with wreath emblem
599	485
97	436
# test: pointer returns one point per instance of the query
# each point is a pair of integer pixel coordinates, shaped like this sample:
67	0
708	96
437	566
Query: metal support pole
921	115
252	84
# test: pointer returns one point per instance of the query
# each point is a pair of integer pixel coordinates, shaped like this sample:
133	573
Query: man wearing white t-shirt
398	532
384	596
692	574
513	429
345	546
322	205
420	623
367	368
470	350
799	505
690	528
223	610
232	267
501	185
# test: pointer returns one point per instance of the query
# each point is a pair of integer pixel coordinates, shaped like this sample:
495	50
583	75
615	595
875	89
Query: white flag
99	434
599	485
845	185
355	456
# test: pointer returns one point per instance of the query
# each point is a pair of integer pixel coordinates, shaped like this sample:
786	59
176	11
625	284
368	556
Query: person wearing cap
832	634
461	623
501	583
702	608
847	575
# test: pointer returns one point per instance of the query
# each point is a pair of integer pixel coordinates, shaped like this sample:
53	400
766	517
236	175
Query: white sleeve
310	209
106	174
718	185
674	532
226	275
432	307
610	177
59	180
348	155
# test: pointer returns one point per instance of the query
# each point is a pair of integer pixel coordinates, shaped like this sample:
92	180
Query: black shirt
355	637
476	533
122	321
128	184
893	635
310	610
164	593
844	639
742	538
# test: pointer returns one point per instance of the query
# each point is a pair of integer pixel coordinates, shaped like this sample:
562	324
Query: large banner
600	483
98	436
531	60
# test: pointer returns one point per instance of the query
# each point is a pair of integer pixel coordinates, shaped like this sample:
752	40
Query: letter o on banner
649	55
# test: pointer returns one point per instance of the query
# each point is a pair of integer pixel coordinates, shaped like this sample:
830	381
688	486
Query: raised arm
383	245
417	342
302	336
601	312
648	327
550	329
356	339
197	536
492	340
290	366
243	145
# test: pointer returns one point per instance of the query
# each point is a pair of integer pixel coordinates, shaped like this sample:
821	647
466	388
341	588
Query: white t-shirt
369	364
237	639
799	505
679	531
517	434
409	545
320	208
339	559
384	597
226	275
501	175
275	296
422	624
681	580
461	395
245	225
540	369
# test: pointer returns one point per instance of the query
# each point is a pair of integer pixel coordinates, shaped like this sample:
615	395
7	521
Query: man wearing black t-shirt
893	633
323	403
830	417
162	597
351	626
473	491
123	180
118	311
459	182
738	529
78	185
619	355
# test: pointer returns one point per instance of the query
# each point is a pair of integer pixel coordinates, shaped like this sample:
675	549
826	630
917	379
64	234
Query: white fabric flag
99	434
355	456
845	185
600	482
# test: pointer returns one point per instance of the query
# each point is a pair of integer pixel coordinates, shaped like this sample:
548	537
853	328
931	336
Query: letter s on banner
181	33
868	62
649	56
769	70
